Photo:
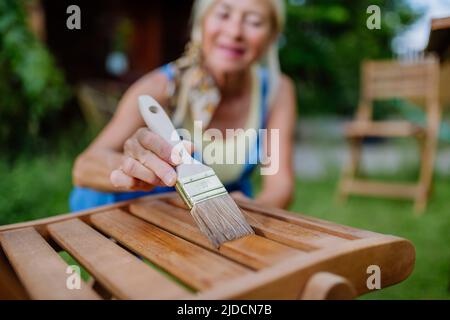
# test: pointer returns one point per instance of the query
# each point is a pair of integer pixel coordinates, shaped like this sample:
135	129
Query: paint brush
213	210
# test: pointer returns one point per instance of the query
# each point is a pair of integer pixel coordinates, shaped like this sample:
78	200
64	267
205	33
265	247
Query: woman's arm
94	166
278	188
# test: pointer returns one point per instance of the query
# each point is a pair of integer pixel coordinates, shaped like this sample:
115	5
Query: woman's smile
231	51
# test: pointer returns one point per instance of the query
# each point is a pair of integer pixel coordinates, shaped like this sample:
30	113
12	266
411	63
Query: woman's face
236	33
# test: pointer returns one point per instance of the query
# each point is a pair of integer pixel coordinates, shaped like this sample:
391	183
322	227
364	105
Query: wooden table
290	257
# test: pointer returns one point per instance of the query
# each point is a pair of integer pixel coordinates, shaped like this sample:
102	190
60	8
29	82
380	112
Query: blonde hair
270	60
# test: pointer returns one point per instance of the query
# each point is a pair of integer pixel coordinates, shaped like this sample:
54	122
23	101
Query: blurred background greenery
321	49
44	123
325	42
32	87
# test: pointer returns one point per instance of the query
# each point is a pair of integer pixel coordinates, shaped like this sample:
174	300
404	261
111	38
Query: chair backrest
397	79
417	81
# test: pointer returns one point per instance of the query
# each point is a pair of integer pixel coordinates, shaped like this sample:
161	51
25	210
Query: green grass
34	188
39	187
85	276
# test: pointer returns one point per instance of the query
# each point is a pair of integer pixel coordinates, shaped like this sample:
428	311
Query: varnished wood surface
150	248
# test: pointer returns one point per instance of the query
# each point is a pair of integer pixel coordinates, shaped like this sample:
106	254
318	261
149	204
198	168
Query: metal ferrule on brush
200	187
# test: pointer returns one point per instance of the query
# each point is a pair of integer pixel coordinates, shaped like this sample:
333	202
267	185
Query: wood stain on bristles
220	219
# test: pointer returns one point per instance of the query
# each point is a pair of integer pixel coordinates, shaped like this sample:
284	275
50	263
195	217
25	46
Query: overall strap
168	70
256	149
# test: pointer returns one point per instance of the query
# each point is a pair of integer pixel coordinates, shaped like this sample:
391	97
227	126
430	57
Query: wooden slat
440	23
403	85
287	280
188	262
383	129
41	270
292	235
120	272
385	189
253	251
10	286
399	90
388	79
40	224
308	222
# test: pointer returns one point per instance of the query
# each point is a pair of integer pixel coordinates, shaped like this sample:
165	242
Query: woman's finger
122	181
162	169
155	143
135	169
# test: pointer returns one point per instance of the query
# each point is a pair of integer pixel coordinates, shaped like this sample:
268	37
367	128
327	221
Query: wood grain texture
41	270
195	266
328	286
266	227
377	188
249	205
290	234
287	280
327	227
40	224
292	256
120	272
253	251
10	286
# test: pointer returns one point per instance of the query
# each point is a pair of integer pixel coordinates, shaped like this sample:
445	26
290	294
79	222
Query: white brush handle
159	122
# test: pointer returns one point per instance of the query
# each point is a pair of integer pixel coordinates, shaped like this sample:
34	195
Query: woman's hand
148	162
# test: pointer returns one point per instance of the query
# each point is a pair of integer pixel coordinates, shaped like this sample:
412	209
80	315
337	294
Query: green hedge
31	85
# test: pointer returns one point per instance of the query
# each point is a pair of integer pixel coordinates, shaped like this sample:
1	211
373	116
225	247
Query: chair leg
428	155
350	170
420	203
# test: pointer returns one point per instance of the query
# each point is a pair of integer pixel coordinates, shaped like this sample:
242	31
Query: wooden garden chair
384	80
289	257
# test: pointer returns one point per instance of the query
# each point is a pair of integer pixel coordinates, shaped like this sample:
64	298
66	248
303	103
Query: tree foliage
325	42
31	85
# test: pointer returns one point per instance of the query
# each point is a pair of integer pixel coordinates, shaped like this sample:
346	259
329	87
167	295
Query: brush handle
159	122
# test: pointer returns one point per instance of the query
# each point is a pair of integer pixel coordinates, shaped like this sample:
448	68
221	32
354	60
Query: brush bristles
220	219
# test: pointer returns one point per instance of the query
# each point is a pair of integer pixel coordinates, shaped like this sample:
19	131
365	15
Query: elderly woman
228	78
